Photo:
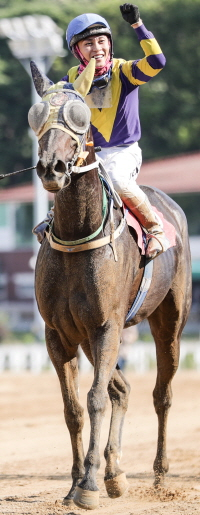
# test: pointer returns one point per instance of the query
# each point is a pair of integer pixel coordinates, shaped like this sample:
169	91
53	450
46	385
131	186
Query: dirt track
36	450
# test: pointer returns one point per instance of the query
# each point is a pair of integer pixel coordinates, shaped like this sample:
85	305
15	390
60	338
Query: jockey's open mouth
98	57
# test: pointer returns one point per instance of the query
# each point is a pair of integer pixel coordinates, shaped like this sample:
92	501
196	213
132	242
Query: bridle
65	109
59	111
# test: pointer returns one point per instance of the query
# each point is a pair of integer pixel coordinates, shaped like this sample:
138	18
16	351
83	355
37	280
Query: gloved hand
130	13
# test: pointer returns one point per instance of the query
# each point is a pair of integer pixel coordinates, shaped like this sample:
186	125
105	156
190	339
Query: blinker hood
74	117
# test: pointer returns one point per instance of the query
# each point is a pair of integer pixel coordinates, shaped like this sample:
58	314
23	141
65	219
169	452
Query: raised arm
141	71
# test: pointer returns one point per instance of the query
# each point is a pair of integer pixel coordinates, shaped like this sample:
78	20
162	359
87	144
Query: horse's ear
83	82
41	82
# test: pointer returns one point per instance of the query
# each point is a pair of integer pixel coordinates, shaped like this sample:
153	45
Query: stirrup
39	230
163	242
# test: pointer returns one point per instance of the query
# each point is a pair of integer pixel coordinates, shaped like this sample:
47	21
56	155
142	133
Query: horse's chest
78	295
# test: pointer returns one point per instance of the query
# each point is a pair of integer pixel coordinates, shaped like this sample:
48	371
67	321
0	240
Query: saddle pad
169	229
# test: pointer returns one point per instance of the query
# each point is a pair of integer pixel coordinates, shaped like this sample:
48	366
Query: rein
75	169
2	176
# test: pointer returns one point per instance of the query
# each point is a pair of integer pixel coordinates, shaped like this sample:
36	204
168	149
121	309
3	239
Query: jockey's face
97	47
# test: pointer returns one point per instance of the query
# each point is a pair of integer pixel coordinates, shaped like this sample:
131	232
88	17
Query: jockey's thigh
123	165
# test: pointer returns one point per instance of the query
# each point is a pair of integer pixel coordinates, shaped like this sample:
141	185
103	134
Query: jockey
113	101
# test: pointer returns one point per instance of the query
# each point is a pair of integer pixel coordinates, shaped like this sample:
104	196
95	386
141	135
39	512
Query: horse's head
61	122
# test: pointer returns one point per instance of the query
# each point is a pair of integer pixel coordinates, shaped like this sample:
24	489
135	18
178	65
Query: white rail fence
141	357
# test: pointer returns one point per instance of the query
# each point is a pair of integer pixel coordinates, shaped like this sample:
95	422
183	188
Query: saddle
168	228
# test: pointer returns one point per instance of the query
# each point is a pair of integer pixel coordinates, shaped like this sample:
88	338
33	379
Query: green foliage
14	104
169	104
176	124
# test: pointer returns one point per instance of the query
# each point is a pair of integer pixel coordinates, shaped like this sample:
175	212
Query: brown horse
85	290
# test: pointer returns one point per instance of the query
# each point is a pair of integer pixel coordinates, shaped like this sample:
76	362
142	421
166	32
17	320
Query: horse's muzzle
52	175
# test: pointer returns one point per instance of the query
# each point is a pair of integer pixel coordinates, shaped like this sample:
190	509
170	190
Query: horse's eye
77	116
38	115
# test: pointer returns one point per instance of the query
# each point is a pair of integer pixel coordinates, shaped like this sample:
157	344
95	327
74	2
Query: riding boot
39	230
157	241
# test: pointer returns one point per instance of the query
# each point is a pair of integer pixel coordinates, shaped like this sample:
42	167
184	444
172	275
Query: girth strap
143	290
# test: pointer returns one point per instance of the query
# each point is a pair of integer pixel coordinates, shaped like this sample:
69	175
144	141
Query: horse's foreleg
162	396
166	326
115	479
68	376
104	354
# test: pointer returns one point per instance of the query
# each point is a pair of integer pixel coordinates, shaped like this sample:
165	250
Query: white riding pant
123	165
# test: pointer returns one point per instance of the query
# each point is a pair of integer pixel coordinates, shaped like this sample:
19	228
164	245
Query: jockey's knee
119	186
129	191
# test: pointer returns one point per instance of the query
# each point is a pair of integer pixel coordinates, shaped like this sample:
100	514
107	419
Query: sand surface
36	450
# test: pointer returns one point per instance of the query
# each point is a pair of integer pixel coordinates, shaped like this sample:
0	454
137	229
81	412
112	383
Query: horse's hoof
159	481
117	486
86	499
68	502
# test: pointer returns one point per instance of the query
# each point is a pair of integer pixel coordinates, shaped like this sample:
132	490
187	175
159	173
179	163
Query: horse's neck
78	207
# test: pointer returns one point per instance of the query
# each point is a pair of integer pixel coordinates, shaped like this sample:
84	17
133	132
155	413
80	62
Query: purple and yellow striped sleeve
142	70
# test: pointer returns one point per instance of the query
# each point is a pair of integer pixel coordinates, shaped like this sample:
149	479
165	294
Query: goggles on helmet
102	81
91	31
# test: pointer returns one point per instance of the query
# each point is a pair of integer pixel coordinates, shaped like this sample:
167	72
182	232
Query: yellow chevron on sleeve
145	67
150	47
127	71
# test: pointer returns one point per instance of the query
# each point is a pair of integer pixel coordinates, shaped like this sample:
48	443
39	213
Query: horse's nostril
60	167
40	169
